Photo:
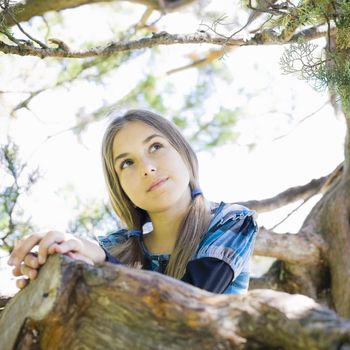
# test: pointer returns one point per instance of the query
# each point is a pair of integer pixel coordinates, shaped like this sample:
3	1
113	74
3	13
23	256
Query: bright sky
230	173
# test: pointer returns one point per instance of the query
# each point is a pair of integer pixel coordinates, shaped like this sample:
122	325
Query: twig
292	212
11	37
24	103
25	33
301	121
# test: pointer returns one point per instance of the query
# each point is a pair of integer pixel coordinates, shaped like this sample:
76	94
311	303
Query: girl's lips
157	184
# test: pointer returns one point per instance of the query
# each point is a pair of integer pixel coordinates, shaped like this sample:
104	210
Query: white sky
230	173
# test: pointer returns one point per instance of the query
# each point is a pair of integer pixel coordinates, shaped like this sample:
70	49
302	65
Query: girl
151	174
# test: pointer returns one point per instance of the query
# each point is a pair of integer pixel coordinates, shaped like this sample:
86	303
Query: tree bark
4	299
73	305
293	248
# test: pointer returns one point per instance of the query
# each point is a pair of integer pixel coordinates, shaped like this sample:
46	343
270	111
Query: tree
320	269
78	306
16	181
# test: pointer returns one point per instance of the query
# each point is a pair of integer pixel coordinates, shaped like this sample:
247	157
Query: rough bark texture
4	299
73	305
292	248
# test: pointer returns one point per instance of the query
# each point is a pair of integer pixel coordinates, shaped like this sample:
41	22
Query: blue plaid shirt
230	237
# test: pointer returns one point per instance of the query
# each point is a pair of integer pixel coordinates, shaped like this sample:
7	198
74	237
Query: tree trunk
73	305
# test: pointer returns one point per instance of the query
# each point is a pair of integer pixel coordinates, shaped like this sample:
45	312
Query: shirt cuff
110	258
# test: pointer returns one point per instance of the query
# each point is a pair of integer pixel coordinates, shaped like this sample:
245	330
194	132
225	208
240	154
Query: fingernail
13	261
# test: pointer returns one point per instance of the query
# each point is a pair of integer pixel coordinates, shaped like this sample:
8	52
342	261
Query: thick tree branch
294	194
346	175
292	248
74	305
4	299
269	280
157	39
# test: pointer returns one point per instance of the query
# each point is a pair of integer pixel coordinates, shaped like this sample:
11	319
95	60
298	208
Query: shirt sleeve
110	258
108	242
231	240
210	274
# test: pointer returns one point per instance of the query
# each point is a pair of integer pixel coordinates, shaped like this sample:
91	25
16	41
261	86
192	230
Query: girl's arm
210	274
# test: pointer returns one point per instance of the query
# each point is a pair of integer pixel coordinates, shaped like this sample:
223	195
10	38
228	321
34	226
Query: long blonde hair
195	222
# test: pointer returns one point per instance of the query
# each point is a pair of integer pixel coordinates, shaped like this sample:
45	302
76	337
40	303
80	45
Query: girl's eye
125	164
156	146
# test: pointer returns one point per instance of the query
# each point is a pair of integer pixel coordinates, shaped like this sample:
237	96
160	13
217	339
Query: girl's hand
27	263
30	267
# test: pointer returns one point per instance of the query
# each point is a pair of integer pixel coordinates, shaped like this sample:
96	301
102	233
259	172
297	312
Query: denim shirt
230	238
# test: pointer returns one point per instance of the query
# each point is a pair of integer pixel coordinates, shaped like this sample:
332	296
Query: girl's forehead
134	132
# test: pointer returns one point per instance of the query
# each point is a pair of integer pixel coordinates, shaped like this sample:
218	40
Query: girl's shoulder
230	224
230	236
223	213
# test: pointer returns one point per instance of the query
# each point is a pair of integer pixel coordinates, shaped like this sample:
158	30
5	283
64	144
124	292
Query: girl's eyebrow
147	139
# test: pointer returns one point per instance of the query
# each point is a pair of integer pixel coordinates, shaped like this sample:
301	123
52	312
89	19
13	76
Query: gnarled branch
294	194
74	305
292	248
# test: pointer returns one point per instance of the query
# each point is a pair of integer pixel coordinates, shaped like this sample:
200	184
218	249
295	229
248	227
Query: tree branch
157	39
148	310
269	280
346	174
292	248
31	8
294	194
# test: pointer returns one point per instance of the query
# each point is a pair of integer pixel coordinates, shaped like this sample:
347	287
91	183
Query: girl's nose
148	169
148	172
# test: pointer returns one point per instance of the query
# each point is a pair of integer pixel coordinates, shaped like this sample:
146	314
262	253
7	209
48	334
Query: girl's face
151	172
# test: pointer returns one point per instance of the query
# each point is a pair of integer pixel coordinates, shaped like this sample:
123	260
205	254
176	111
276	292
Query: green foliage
330	67
94	219
301	58
342	18
205	132
14	183
181	122
216	132
145	94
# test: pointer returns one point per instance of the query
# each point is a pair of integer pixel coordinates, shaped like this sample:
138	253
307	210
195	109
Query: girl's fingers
23	247
31	260
17	271
71	245
81	257
30	264
54	248
29	272
21	283
51	238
